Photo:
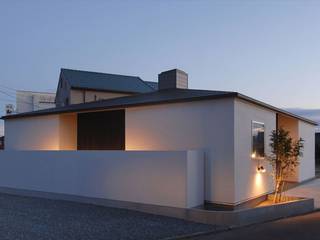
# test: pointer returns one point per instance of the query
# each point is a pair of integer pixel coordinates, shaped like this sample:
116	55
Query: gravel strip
28	218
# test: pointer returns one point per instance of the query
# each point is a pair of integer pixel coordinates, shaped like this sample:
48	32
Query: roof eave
278	110
227	95
75	110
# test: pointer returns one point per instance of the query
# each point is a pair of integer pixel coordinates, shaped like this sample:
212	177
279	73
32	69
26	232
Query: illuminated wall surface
222	128
161	178
297	129
249	183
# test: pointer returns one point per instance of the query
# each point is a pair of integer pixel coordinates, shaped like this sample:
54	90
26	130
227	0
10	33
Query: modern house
145	120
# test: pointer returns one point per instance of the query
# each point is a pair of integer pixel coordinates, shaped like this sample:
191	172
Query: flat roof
152	98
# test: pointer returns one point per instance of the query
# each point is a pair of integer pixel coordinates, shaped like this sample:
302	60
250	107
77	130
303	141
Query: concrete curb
200	234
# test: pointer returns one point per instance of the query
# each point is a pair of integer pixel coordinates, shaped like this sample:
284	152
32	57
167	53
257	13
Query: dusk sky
269	50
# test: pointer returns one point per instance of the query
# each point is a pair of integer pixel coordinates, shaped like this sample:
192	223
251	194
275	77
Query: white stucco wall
160	178
51	132
204	125
68	132
32	133
248	183
297	128
307	161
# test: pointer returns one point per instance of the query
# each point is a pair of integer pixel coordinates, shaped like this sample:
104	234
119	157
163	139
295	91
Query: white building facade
28	101
231	130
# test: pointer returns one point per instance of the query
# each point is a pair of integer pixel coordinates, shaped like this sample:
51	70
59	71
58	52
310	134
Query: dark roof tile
104	81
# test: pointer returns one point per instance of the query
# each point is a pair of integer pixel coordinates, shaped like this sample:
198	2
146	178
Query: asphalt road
305	227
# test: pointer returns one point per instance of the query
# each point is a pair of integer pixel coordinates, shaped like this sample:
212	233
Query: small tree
284	158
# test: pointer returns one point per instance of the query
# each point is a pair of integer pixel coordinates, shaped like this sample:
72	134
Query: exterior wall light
261	169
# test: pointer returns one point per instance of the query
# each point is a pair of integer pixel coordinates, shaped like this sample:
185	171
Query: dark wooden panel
101	130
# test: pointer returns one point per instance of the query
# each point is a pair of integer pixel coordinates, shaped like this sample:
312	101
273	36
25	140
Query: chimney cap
174	70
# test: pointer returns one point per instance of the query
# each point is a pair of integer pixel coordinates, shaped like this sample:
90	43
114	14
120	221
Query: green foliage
284	158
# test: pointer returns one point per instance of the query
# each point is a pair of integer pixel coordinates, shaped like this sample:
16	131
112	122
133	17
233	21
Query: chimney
173	79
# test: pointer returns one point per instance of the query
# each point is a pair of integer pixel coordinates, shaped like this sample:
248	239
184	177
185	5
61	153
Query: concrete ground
301	227
310	190
26	218
296	228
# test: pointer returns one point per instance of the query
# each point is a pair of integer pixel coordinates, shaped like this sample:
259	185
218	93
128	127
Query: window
257	140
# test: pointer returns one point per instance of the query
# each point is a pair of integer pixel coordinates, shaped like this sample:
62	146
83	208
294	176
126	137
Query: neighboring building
28	101
232	129
77	86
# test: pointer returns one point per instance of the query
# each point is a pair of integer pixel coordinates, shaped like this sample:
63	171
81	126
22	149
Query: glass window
257	140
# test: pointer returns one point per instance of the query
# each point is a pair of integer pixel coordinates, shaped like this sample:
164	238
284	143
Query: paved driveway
310	190
26	218
305	227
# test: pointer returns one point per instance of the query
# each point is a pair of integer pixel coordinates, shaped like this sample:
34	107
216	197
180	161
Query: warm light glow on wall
258	180
49	144
137	140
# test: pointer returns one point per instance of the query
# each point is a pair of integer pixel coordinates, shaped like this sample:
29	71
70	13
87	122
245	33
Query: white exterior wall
68	132
307	161
222	128
51	132
77	96
292	126
248	183
160	178
299	129
33	133
27	101
206	125
90	95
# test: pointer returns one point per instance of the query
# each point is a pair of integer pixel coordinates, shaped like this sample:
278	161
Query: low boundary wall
165	178
164	183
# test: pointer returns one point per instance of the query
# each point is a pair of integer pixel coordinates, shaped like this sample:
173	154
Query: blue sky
268	50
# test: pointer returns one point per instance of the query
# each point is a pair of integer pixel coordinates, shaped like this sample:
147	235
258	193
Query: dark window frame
258	147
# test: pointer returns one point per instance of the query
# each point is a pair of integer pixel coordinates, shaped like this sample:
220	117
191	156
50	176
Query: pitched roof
152	98
104	81
154	85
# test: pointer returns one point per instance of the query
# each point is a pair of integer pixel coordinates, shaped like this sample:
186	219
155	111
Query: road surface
306	227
